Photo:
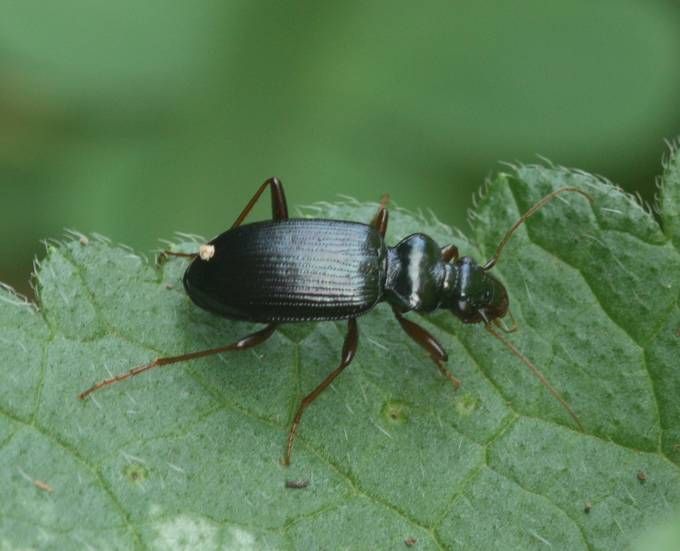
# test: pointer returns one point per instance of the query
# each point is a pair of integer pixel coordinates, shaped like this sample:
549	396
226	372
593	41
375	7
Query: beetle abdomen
291	270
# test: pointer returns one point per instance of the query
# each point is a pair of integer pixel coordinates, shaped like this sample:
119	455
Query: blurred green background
136	119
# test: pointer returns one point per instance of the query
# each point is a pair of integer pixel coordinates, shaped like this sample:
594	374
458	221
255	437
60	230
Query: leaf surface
189	455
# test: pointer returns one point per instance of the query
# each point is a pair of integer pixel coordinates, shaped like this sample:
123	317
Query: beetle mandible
288	270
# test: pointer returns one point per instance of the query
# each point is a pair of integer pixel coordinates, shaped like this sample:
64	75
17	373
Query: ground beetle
291	270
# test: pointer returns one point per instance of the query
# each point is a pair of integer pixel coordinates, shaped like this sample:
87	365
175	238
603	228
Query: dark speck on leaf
297	484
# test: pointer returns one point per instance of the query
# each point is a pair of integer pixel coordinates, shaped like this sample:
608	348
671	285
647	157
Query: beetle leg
429	343
163	255
379	221
348	351
279	212
279	206
449	253
246	342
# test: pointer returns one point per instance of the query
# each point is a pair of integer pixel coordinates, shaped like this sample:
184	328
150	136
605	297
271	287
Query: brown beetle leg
279	205
429	343
246	342
348	351
381	217
279	212
449	253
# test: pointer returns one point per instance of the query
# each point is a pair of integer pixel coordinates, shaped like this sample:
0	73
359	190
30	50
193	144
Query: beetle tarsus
442	368
119	378
163	256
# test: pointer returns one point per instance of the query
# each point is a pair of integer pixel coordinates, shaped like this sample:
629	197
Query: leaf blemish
44	486
135	473
467	404
395	412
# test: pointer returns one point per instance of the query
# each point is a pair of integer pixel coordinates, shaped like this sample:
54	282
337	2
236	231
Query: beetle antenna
491	263
537	373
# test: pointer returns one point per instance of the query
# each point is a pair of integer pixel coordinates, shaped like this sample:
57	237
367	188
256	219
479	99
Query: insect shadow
288	270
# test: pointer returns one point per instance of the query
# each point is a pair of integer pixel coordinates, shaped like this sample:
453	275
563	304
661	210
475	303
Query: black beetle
291	270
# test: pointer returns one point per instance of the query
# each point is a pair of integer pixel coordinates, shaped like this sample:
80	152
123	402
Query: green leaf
664	536
189	455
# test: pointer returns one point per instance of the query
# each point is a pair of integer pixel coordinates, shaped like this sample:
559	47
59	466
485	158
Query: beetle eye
486	297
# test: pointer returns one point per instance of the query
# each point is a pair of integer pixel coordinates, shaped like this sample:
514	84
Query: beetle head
476	296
